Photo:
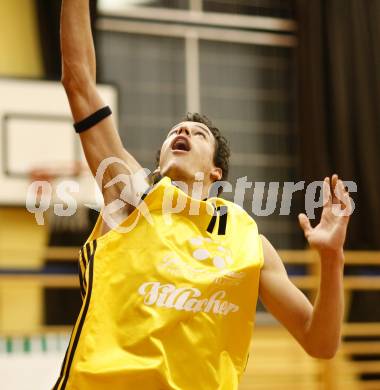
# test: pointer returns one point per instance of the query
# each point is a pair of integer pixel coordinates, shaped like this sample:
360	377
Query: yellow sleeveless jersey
171	303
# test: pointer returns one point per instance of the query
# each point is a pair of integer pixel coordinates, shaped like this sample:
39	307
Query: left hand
329	235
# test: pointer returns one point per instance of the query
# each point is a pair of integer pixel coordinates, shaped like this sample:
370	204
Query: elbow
322	352
320	344
326	355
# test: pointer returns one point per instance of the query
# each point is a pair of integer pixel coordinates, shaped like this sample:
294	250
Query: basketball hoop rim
52	171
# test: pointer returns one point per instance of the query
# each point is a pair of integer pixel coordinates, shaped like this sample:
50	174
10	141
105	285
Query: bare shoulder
272	260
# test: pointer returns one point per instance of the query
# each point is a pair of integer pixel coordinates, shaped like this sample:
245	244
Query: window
239	71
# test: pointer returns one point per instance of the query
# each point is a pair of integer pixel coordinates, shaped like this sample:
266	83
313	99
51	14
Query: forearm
77	46
324	327
79	61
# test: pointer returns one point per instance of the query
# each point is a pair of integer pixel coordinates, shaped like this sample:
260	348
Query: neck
196	185
197	189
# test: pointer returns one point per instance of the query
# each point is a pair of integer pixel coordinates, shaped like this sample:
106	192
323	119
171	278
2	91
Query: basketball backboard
36	131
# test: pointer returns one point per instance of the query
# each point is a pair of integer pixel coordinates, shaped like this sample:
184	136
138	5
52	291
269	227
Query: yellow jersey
170	302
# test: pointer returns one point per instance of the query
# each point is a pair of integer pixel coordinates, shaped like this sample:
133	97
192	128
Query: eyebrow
206	129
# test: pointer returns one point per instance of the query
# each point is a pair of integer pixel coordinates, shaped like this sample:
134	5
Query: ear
216	174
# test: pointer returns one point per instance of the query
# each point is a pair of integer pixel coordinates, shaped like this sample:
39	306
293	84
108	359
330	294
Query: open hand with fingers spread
329	235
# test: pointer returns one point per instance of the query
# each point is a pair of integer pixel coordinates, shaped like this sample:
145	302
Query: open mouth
181	143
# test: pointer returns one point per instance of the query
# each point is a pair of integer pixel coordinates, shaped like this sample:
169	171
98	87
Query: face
189	148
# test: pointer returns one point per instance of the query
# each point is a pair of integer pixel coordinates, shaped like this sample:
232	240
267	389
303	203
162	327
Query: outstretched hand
329	235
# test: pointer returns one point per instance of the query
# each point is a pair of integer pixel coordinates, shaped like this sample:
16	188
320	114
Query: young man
170	304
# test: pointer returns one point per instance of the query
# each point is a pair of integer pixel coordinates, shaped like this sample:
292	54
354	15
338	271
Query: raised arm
79	80
316	327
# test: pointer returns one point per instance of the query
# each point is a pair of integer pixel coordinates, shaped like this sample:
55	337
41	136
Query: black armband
92	120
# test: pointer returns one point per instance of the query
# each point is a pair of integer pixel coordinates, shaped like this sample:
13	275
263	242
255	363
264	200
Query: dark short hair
222	150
